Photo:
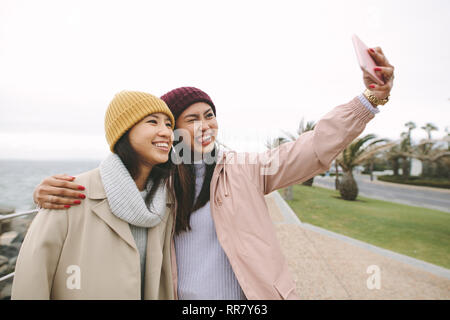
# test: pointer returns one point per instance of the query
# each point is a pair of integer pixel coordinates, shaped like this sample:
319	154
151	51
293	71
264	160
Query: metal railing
10	275
18	214
11	216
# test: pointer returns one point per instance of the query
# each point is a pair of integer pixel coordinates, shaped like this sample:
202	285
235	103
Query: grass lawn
416	232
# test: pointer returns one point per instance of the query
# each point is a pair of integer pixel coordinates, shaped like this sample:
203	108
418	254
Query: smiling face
151	138
199	120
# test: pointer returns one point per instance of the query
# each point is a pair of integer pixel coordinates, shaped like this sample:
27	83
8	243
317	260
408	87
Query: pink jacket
239	183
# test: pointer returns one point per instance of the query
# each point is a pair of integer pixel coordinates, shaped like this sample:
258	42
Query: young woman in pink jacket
225	245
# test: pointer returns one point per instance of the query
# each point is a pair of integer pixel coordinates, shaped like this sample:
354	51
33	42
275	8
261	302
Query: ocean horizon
19	178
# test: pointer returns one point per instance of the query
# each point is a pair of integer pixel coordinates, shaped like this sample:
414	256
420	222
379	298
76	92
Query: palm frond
274	143
291	137
301	126
372	151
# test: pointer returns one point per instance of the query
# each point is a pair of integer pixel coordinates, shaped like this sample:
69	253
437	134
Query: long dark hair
159	175
182	182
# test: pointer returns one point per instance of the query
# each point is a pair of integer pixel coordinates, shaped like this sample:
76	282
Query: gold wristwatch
374	100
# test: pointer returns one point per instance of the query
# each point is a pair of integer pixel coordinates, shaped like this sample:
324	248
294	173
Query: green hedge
331	174
418	181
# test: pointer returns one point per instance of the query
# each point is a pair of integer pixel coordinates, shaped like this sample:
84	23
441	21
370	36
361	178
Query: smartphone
366	62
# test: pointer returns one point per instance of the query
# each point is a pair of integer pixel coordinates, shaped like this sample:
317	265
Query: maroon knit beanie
180	99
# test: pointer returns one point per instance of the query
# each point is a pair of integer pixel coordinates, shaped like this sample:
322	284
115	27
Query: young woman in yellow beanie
225	245
116	244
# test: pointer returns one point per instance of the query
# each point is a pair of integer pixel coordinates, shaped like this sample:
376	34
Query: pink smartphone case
366	62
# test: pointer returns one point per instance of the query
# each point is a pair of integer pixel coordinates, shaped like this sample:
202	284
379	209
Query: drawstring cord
225	184
225	175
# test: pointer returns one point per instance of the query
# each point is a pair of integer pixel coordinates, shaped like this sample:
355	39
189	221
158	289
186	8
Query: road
426	197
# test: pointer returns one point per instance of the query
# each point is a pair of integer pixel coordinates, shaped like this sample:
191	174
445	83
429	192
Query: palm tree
429	151
426	147
270	144
393	155
302	128
406	145
400	152
288	193
429	127
411	126
336	178
435	151
357	153
448	138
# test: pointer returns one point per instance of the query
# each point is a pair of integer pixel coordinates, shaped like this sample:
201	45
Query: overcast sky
266	64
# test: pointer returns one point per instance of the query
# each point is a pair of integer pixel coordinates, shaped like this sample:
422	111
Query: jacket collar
119	226
96	191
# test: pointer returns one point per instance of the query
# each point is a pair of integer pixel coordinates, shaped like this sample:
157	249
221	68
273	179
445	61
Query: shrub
418	181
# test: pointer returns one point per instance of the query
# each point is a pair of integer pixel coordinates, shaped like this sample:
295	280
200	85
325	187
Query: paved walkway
330	266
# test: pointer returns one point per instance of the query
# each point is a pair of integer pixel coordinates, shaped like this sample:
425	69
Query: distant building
416	167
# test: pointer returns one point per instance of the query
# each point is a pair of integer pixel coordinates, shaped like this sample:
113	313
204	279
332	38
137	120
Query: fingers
62	181
64	177
380	89
56	195
384	70
64	192
58	192
379	50
379	57
61	200
387	73
381	92
48	205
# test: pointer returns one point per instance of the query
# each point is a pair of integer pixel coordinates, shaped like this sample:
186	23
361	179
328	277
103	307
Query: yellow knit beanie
128	108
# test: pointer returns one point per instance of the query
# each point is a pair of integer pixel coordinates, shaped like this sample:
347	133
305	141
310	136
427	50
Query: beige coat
86	252
243	225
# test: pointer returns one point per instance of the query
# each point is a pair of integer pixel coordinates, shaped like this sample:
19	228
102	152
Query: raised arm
314	151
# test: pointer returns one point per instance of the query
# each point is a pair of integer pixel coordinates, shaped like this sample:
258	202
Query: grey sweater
204	271
140	237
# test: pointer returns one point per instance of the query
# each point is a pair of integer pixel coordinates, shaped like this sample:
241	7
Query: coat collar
119	226
96	191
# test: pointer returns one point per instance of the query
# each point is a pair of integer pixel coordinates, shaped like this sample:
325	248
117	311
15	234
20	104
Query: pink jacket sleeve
313	152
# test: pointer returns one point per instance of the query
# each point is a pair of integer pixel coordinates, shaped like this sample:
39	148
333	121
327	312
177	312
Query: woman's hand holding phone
384	70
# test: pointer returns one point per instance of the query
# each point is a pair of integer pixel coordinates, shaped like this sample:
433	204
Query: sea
19	178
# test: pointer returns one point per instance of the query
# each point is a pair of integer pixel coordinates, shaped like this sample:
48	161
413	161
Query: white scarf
125	199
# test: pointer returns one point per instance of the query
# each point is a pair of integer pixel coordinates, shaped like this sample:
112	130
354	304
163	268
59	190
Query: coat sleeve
39	255
313	152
